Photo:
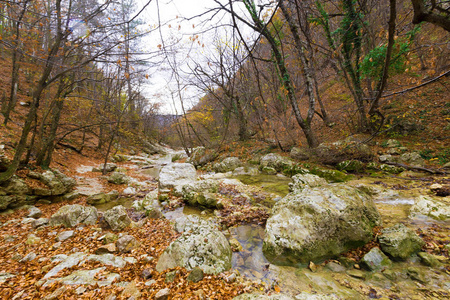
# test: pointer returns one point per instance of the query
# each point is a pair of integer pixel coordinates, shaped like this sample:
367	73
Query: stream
393	205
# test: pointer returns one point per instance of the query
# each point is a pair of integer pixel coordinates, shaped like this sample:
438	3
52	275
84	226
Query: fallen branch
418	86
432	171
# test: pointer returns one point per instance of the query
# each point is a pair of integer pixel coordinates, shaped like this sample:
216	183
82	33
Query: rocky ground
126	235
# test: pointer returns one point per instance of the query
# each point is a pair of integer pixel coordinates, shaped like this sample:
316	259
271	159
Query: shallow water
270	183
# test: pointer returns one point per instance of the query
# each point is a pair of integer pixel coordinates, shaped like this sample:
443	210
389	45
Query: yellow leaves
159	46
146	76
127	75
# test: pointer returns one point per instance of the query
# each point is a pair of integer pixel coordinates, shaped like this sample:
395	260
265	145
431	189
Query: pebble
64	235
162	294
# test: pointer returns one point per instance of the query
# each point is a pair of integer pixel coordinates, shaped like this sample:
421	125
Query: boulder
151	148
127	243
117	218
412	158
102	198
72	215
302	181
227	165
334	153
300	153
110	167
319	222
274	161
376	260
399	241
201	193
118	178
58	183
34	212
176	175
427	206
203	247
391	143
149	205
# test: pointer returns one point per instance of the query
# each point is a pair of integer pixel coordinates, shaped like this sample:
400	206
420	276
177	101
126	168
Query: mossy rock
352	166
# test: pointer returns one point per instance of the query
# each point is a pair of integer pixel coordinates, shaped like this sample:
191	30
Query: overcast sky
179	23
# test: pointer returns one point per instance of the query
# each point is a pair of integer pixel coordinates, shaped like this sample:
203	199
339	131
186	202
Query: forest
141	117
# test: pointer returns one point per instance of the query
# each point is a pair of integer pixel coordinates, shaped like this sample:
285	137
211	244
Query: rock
6	276
39	223
129	191
230	278
412	158
108	259
391	143
425	205
110	167
163	294
201	193
32	239
203	247
65	263
29	257
86	277
227	165
117	218
131	291
335	267
154	148
268	170
64	235
72	215
71	196
176	174
146	274
108	248
429	259
208	200
102	198
399	241
348	149
127	243
319	223
274	161
58	183
391	169
393	151
170	276
417	274
246	171
352	166
235	245
300	153
118	178
356	273
34	212
312	266
302	181
110	238
196	275
376	260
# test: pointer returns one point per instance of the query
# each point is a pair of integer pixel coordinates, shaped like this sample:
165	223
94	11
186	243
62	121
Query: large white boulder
316	223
